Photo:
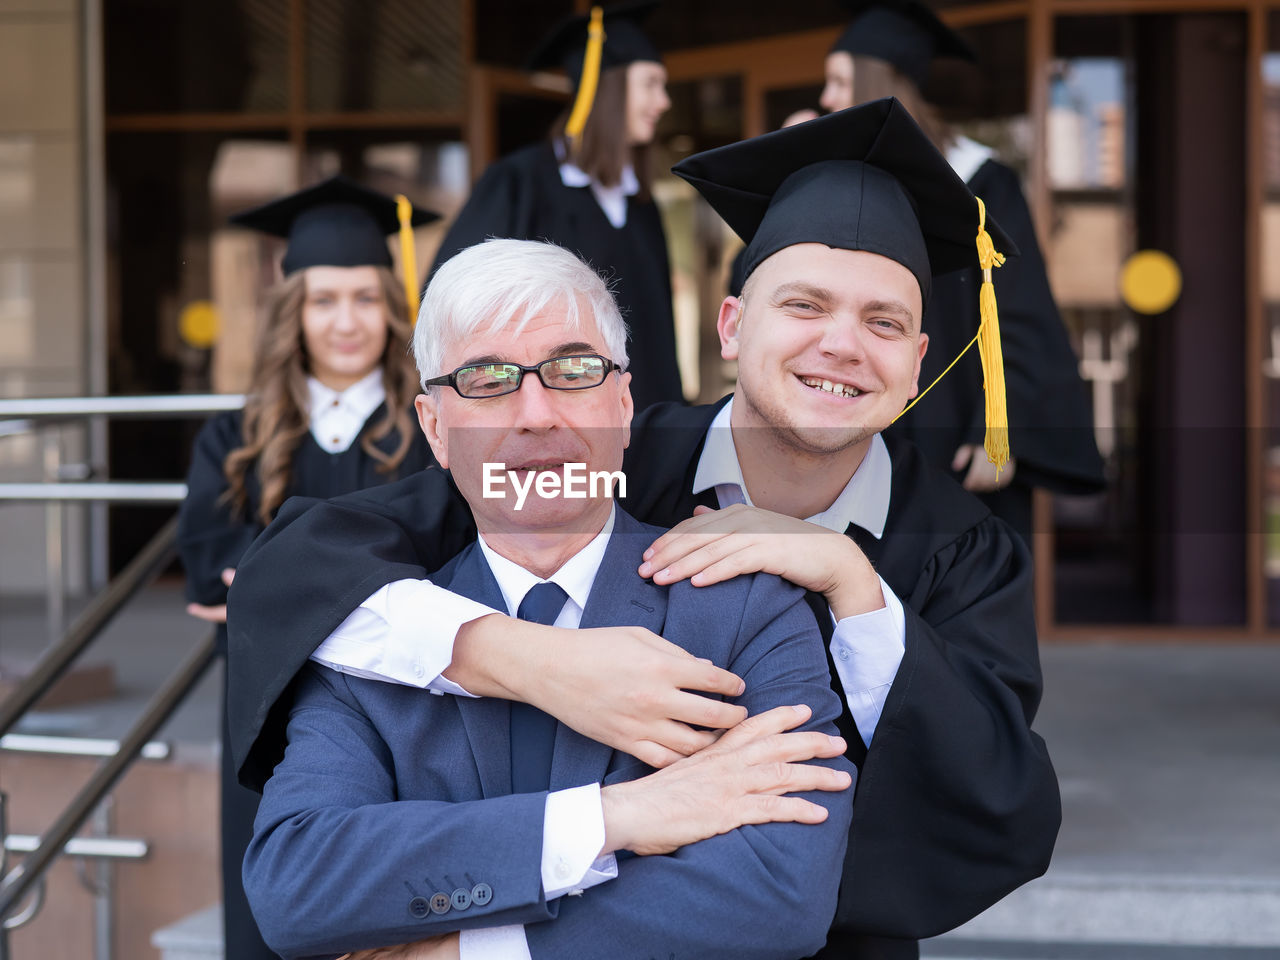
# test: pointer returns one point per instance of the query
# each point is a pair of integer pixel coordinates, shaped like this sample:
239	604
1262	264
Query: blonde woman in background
329	411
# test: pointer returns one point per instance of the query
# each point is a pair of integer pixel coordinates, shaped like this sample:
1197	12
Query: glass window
391	55
221	56
1145	137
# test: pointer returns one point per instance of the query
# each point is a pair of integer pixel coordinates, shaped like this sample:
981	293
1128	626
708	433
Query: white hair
498	286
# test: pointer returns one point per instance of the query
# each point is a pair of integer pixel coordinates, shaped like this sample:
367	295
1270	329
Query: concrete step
949	948
197	936
1125	917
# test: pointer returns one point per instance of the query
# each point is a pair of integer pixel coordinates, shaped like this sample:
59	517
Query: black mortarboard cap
865	178
336	223
905	33
624	41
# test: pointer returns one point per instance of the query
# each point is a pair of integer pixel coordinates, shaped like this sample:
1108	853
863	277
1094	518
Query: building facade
130	129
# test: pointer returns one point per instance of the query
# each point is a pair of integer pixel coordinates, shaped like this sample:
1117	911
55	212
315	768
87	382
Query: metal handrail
100	491
77	746
27	874
31	415
158	405
91	848
153	558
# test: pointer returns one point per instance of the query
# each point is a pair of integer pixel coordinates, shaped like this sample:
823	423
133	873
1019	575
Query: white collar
612	200
575	577
864	501
573	176
967	156
360	399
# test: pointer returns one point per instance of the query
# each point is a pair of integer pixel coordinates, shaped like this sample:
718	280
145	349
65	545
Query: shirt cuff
494	943
402	633
572	835
867	650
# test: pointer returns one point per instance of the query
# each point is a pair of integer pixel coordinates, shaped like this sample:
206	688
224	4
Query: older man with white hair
396	815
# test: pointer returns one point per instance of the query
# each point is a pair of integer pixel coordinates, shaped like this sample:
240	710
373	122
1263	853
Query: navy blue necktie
533	733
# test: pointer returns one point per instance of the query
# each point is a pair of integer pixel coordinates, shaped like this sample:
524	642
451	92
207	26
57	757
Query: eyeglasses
478	380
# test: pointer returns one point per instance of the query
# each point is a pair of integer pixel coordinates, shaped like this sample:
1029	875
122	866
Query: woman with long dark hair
328	412
587	186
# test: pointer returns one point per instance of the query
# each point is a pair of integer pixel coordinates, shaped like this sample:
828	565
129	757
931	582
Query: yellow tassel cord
996	442
590	77
408	259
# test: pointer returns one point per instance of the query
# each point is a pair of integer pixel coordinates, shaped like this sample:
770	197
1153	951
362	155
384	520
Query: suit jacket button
440	903
481	894
461	898
418	907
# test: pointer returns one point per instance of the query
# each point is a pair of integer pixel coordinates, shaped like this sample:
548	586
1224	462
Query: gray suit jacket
388	795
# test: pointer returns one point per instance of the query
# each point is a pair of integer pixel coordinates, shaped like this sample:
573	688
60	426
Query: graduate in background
328	412
886	50
586	187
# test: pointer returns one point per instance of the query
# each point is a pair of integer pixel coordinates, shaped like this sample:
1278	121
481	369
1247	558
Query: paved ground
1168	755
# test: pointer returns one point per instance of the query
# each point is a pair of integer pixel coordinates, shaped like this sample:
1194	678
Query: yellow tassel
408	259
590	77
996	442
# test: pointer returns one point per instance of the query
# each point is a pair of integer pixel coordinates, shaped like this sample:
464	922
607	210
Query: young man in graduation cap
933	649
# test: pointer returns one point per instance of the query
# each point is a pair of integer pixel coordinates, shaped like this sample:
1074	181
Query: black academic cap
866	178
336	223
905	33
624	41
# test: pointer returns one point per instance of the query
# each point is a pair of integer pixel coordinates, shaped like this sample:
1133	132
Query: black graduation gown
210	539
957	802
1050	418
522	196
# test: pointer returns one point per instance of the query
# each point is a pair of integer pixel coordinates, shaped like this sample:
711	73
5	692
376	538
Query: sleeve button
418	907
481	894
461	898
440	903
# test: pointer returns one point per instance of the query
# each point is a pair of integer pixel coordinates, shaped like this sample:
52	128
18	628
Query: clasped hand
716	545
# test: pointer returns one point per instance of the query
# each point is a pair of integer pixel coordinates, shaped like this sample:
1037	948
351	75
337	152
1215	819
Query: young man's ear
428	407
728	324
915	374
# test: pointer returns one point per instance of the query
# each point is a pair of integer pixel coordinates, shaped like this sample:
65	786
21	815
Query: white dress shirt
867	648
337	417
612	200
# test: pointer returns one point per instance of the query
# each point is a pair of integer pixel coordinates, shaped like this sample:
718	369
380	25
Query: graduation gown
522	196
210	539
1050	417
957	802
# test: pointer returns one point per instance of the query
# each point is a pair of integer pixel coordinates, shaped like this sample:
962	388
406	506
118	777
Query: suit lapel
619	597
487	719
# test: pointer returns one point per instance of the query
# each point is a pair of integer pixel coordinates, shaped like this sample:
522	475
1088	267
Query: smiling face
532	431
837	89
344	324
828	347
647	100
